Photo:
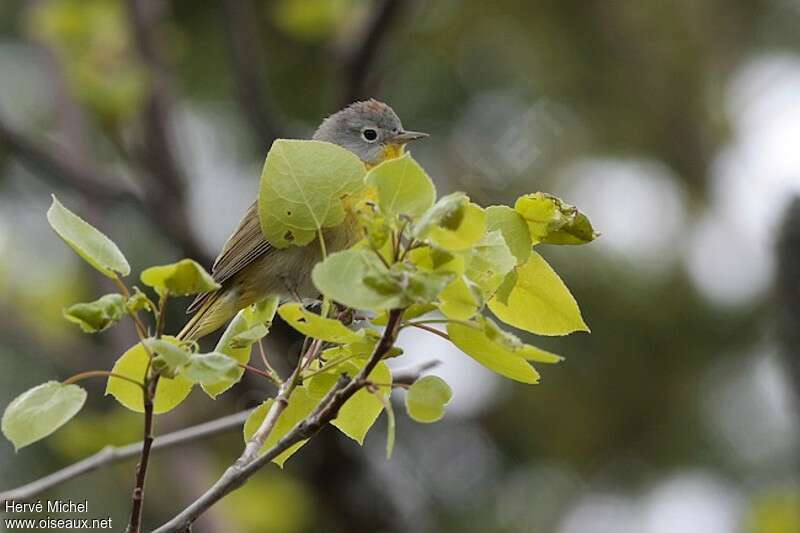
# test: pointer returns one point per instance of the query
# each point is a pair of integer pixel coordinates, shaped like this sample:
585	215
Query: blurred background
674	124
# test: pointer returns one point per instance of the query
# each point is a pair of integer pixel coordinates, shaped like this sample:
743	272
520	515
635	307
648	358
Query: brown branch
166	194
137	497
253	95
111	455
57	165
237	474
358	61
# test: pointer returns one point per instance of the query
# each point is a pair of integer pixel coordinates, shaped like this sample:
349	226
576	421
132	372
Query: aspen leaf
539	302
302	187
88	242
182	278
426	399
38	412
514	229
133	364
312	325
403	187
98	315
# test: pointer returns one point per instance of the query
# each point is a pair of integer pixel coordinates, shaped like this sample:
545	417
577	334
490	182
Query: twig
429	329
253	95
137	497
358	61
112	454
237	474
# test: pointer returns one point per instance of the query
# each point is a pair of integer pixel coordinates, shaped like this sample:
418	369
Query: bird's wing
242	248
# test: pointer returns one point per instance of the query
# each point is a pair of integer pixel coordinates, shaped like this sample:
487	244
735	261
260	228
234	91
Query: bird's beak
403	137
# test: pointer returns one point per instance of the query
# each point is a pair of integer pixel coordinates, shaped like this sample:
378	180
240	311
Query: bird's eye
369	135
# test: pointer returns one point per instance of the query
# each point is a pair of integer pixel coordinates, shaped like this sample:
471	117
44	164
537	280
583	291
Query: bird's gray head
369	129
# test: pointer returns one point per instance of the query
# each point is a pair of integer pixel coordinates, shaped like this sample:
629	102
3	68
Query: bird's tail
218	308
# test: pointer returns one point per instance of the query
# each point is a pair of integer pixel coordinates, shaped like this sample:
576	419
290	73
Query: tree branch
359	59
241	24
237	474
111	454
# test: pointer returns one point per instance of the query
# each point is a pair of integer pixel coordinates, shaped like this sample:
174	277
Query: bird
249	269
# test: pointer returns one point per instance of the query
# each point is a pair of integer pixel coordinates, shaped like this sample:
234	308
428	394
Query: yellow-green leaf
312	325
553	221
133	364
180	279
471	230
514	229
352	277
436	260
300	406
539	302
38	412
88	242
488	262
361	411
302	187
460	300
210	368
98	315
403	187
427	398
493	353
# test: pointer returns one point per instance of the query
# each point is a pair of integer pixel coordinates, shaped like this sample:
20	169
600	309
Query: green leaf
312	325
170	353
412	311
302	187
488	262
180	279
89	243
249	337
551	220
98	315
38	412
460	300
481	342
360	412
403	187
244	327
427	398
469	231
210	368
447	212
137	301
300	406
436	260
539	302
356	278
532	353
514	229
133	364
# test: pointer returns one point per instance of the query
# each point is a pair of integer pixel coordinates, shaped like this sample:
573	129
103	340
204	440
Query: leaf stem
268	366
260	373
435	331
95	373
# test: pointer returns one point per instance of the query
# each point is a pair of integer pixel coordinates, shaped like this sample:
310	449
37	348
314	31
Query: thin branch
237	474
429	329
241	24
137	497
112	454
359	59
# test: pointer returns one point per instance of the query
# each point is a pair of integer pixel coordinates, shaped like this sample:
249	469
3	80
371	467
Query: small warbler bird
250	269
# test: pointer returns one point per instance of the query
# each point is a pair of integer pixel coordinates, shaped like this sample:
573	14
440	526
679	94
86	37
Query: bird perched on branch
250	269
